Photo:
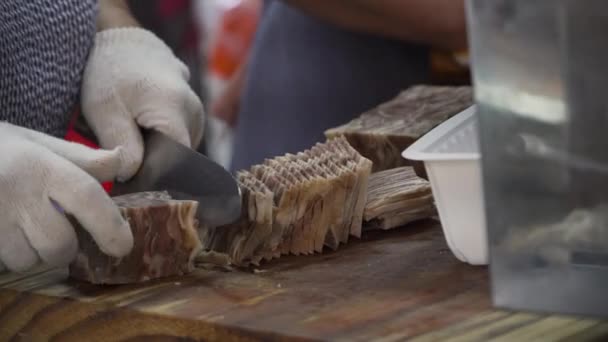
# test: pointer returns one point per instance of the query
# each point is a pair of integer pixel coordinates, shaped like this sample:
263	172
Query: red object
171	8
74	136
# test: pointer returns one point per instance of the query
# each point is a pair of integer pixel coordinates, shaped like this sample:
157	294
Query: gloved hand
37	170
133	80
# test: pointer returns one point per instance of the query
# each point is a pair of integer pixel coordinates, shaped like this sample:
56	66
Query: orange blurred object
234	36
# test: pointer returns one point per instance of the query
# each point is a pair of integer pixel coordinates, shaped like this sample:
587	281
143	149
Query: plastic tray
451	157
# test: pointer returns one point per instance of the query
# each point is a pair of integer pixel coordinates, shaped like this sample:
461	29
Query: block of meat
295	204
397	197
383	133
166	242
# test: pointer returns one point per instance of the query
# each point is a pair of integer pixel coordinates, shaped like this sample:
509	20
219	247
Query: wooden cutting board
389	286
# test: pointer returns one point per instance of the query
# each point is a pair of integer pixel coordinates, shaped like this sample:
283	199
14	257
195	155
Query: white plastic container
451	157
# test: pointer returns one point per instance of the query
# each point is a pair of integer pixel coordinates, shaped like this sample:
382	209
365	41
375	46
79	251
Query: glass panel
540	72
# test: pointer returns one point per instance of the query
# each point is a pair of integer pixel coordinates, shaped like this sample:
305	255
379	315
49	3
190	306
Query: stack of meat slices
296	204
397	197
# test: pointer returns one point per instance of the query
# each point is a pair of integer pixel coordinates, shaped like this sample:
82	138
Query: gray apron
305	76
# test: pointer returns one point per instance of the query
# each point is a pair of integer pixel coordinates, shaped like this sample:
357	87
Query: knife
186	175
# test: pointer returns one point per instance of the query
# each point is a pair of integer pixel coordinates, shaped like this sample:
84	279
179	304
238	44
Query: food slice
397	197
166	242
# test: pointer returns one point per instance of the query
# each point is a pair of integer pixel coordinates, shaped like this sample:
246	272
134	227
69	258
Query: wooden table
389	286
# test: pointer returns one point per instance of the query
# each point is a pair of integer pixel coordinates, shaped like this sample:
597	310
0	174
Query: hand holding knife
185	174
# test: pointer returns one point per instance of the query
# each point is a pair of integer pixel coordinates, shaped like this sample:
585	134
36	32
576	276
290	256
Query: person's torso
305	76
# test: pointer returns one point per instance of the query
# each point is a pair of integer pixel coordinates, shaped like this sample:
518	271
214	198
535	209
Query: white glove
133	79
37	169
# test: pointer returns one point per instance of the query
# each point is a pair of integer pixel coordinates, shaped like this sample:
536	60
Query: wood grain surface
389	286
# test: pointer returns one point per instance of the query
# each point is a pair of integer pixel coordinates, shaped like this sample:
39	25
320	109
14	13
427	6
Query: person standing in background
317	64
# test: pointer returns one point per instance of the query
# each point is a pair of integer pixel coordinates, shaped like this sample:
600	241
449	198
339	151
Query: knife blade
186	175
